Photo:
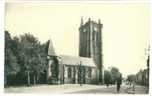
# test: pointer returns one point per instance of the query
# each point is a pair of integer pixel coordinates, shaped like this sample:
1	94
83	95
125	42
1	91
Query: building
90	44
142	77
85	69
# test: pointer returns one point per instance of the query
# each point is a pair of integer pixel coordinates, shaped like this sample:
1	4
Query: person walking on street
133	86
119	81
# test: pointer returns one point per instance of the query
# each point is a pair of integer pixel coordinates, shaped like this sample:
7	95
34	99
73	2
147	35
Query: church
87	68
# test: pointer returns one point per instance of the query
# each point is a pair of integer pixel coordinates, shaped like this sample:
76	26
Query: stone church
87	67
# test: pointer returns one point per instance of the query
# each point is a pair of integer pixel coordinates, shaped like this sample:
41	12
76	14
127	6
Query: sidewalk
76	88
138	90
53	89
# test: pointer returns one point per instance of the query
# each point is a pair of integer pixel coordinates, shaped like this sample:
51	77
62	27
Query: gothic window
69	72
89	72
95	33
65	71
53	69
95	36
53	64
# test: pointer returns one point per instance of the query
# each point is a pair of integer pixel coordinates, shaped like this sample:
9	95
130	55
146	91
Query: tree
25	58
131	78
40	63
107	77
28	54
114	74
11	65
32	57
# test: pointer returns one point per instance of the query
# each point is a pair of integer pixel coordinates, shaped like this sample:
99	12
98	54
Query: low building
142	77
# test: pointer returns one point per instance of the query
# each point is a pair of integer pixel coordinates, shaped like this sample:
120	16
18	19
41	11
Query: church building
87	67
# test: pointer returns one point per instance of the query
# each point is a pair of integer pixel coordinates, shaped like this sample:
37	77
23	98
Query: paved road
112	90
76	89
103	90
138	90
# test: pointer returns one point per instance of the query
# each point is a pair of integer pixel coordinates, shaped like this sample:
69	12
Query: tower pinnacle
81	21
99	21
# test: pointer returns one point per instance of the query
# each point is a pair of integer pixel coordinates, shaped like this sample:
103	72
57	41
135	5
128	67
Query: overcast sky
125	29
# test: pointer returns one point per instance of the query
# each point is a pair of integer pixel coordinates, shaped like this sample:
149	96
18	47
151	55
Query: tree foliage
114	74
11	65
10	58
25	57
110	77
107	77
131	78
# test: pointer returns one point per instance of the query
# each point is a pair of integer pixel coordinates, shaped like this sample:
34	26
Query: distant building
142	77
85	69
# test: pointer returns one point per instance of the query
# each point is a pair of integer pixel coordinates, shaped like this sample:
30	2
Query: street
76	89
112	90
103	90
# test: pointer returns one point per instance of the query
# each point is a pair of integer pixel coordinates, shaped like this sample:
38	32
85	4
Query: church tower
90	43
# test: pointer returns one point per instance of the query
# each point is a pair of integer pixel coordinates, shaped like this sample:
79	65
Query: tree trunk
5	81
34	80
28	78
37	79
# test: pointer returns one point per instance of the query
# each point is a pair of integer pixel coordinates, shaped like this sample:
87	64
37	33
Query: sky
125	34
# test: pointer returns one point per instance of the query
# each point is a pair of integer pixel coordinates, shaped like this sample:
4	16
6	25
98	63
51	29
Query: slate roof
71	60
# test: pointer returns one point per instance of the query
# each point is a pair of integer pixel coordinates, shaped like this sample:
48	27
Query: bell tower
90	43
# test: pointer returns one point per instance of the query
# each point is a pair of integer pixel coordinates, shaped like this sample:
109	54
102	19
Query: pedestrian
119	81
133	85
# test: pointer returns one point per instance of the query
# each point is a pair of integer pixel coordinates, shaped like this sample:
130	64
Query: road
112	90
103	90
76	89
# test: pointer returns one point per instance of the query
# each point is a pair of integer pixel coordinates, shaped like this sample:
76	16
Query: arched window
53	69
89	72
69	72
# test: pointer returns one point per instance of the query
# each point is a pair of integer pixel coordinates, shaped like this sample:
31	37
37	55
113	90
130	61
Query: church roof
51	50
71	60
